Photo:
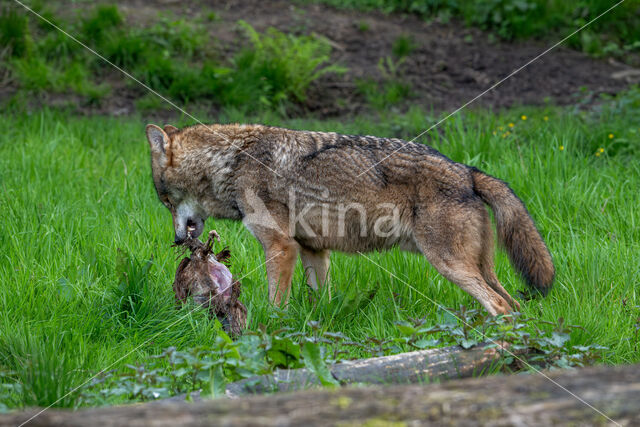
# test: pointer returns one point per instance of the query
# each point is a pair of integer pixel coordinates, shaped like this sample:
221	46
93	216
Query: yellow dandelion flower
494	132
597	154
523	117
546	118
561	148
511	125
601	150
500	127
611	136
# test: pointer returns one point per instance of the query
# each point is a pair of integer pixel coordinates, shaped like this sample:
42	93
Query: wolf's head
173	183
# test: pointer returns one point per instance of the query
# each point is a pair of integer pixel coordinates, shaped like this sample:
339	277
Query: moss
343	402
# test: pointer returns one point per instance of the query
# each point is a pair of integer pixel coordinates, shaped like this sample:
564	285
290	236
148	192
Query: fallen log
406	368
523	399
424	366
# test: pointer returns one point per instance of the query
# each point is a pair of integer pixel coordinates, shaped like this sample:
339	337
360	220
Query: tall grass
86	265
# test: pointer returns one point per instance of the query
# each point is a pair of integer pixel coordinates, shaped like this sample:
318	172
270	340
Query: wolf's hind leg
470	280
491	278
487	266
453	244
316	267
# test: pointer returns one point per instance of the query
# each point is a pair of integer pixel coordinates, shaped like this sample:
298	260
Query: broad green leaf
313	361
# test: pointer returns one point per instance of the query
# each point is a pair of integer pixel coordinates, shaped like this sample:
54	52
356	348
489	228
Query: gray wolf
305	193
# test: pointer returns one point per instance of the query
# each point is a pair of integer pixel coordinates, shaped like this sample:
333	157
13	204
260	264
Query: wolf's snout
191	228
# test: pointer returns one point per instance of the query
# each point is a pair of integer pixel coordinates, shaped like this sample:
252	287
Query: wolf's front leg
281	255
268	221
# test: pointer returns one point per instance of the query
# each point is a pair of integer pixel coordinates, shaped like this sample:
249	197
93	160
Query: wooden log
524	399
406	368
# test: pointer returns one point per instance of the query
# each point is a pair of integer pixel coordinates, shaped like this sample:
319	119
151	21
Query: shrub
103	19
35	74
126	49
194	83
180	37
402	47
512	19
381	96
14	33
284	65
390	91
508	18
173	57
76	77
56	46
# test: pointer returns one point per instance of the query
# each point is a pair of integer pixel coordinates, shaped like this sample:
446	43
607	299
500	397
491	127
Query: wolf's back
517	232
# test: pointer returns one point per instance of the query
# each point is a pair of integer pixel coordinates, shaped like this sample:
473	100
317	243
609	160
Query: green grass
86	265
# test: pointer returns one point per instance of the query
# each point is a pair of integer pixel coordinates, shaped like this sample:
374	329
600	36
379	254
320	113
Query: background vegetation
270	70
172	56
617	32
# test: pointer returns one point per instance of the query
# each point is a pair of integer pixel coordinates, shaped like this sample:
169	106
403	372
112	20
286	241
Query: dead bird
204	277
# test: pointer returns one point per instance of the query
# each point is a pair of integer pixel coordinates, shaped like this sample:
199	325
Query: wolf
307	193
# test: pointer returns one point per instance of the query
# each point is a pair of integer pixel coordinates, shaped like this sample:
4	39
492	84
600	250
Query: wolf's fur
227	171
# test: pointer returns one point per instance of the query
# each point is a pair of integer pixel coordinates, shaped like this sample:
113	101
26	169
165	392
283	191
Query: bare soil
450	65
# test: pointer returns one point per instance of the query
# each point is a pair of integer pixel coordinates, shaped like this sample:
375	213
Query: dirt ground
450	65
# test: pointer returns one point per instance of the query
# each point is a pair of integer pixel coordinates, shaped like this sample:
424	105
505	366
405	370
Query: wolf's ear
170	129
158	140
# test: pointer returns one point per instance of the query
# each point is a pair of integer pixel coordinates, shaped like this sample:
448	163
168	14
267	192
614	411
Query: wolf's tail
516	232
